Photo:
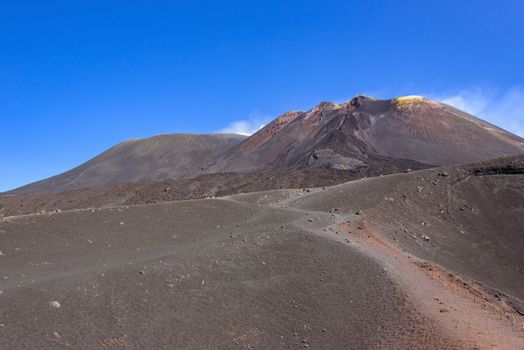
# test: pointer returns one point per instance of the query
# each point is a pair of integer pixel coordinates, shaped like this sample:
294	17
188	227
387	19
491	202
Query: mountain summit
348	135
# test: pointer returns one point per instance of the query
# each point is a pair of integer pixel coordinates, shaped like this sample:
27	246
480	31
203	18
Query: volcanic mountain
349	135
408	133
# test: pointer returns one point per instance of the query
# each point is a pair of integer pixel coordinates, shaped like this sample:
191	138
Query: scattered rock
426	238
443	174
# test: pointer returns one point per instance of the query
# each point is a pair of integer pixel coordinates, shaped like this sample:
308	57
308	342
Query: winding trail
459	312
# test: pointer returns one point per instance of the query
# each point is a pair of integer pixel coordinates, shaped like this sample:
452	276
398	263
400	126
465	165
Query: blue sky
77	77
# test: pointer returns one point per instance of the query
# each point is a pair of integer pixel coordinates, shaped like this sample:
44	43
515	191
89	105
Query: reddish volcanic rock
348	135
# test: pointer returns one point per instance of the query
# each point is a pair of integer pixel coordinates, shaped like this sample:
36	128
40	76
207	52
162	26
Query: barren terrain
390	262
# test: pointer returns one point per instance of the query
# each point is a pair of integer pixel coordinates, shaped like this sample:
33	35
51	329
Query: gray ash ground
193	275
256	271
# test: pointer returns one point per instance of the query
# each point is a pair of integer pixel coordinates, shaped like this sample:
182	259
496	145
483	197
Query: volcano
363	132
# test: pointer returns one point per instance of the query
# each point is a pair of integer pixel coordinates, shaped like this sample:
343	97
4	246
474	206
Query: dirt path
447	301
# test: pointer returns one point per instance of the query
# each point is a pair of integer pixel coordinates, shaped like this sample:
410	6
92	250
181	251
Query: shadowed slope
207	185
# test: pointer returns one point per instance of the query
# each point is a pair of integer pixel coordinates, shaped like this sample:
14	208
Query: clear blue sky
77	77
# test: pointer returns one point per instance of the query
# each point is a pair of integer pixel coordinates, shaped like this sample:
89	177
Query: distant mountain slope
361	133
349	135
202	186
156	158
